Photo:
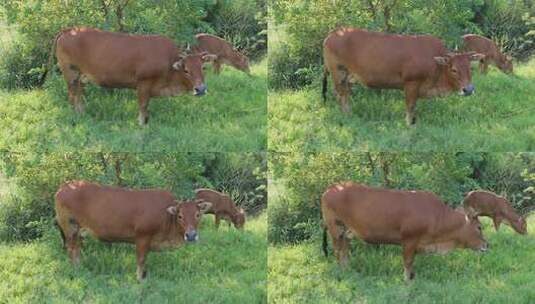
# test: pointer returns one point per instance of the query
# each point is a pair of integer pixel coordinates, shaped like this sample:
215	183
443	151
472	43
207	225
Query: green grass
505	274
499	117
231	117
225	266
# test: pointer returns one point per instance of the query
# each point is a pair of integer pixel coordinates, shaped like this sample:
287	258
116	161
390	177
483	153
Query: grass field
225	266
505	274
499	117
232	117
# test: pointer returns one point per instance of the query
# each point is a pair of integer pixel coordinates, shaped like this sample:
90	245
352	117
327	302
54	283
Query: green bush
27	209
301	179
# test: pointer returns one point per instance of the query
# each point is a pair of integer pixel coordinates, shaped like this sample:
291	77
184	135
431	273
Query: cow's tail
325	244
324	85
50	57
61	232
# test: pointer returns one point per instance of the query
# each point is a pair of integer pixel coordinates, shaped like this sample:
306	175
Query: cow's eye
197	215
186	71
180	217
454	71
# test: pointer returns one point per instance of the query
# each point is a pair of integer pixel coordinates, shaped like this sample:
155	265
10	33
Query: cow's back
383	60
213	45
216	198
114	213
116	59
479	44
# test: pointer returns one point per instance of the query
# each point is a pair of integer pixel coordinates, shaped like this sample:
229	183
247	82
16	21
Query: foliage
498	117
231	117
27	210
301	179
224	266
38	22
307	23
375	275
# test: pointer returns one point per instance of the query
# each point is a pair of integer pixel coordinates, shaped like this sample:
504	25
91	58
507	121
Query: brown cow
418	221
492	54
419	65
485	203
152	219
222	207
224	51
151	64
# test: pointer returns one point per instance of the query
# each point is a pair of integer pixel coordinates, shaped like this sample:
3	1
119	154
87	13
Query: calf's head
458	72
520	225
239	218
505	63
240	61
190	66
471	235
188	214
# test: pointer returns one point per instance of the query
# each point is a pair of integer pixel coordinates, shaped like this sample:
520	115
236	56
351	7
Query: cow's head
458	70
505	63
240	61
520	225
190	65
471	235
188	214
239	218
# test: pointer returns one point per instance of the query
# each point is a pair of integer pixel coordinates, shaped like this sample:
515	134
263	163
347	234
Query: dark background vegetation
301	179
36	22
297	60
28	181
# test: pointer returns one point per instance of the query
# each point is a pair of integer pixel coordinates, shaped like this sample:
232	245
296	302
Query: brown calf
484	203
492	54
419	65
417	220
151	219
225	52
151	64
222	207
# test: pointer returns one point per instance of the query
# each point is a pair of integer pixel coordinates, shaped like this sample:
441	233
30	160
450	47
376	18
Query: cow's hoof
409	276
141	275
143	120
411	121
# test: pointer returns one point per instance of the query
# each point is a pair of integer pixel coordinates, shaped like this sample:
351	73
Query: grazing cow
224	51
418	221
222	207
151	64
419	65
152	219
482	45
484	203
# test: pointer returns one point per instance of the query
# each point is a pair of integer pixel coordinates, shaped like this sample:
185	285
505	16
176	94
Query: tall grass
225	266
499	117
232	117
505	274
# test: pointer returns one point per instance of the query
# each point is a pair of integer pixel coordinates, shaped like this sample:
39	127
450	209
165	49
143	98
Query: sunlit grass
505	274
232	117
225	266
499	117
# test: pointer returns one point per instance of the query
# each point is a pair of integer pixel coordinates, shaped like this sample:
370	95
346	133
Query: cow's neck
448	225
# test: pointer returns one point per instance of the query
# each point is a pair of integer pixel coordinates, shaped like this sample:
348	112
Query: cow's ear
172	210
442	60
209	57
476	56
204	206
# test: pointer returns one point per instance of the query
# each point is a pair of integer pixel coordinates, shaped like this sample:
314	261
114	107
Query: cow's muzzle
200	90
191	236
468	90
484	247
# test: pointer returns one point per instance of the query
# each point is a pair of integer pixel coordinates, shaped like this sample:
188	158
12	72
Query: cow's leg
342	88
411	95
79	91
497	219
72	78
217	221
217	66
143	95
484	66
142	248
340	243
409	249
72	234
